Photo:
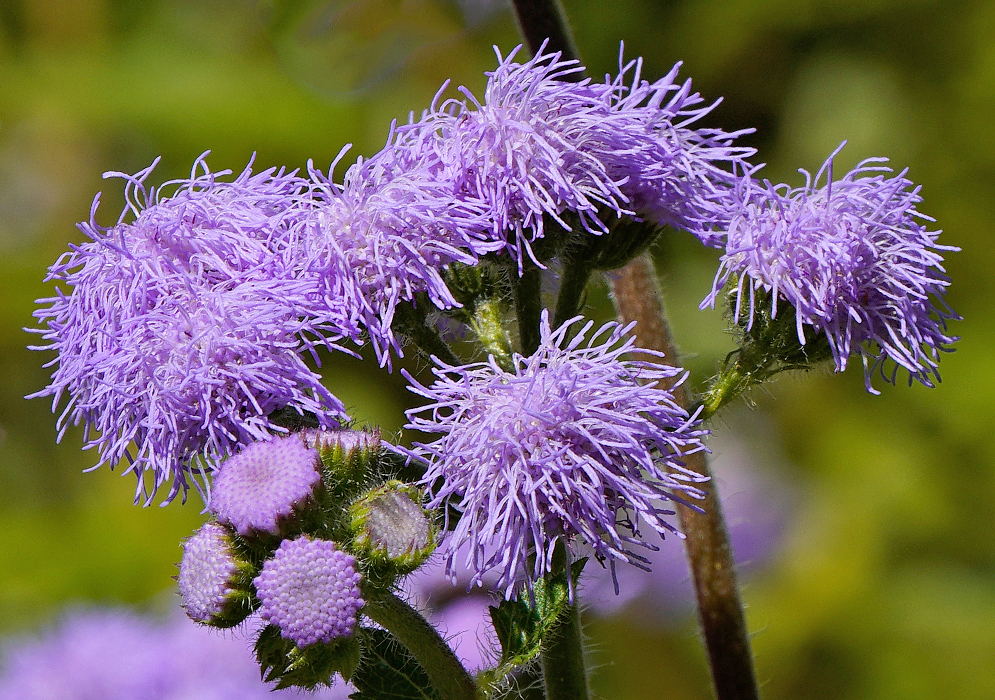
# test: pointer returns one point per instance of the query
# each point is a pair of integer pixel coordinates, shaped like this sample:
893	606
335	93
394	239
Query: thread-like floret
310	590
180	332
854	259
263	484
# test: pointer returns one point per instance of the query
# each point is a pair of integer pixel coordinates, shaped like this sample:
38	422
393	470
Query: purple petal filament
181	330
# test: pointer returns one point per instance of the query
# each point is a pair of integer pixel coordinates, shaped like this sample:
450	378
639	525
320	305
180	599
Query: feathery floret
183	329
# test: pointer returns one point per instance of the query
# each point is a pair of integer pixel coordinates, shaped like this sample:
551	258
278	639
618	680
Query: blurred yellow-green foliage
885	586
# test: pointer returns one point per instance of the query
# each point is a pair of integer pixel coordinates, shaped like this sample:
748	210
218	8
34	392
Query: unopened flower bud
262	487
391	526
214	582
310	591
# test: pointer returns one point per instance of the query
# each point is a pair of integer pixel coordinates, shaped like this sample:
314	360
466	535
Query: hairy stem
528	308
543	20
637	298
487	322
563	659
573	285
730	383
440	663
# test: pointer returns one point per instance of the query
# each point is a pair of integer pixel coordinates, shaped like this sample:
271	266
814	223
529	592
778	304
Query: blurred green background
885	584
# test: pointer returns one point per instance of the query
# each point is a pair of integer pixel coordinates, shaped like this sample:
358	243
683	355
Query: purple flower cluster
117	655
183	329
543	145
382	237
855	260
310	590
575	445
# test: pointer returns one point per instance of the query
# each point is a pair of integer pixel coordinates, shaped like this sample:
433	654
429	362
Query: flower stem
543	20
730	383
440	663
562	657
487	322
528	308
637	297
573	285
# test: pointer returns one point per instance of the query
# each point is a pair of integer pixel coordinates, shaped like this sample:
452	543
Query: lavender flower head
263	484
853	258
183	329
574	445
310	590
532	148
673	173
117	655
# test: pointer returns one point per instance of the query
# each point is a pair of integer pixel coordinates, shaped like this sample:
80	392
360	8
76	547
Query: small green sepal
347	456
284	663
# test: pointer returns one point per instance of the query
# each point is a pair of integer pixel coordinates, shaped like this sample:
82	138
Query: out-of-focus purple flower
183	330
854	259
261	485
575	445
207	573
310	590
116	655
381	238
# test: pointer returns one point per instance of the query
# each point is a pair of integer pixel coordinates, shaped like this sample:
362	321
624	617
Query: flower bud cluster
300	525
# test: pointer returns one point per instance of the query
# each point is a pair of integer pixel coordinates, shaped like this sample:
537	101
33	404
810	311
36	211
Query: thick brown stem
637	297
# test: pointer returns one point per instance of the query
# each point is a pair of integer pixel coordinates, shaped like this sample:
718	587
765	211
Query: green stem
440	663
528	308
637	297
730	383
543	20
562	657
573	285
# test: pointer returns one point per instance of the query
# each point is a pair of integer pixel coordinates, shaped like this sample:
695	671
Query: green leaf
521	625
281	661
389	671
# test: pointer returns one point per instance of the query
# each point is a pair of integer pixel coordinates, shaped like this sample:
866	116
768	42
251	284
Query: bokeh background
880	583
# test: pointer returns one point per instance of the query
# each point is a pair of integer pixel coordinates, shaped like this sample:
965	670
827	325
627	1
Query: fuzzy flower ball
574	444
207	570
179	332
263	484
853	258
531	148
310	590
